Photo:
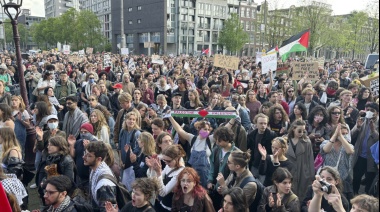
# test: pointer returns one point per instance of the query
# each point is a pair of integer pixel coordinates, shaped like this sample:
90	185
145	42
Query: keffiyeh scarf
94	176
61	207
14	186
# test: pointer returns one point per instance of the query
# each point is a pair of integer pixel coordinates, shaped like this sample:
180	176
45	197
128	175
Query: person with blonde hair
269	163
22	119
194	101
99	123
5	97
148	149
162	106
11	151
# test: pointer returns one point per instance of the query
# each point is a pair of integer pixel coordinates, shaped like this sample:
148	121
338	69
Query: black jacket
252	144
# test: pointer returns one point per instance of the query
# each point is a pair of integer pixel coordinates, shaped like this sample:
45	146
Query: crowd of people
96	127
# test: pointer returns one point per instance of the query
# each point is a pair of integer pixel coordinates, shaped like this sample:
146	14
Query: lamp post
8	6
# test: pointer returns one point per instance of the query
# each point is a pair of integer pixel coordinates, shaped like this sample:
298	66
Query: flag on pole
297	43
206	51
273	50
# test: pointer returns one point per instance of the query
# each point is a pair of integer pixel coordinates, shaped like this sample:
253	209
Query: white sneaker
33	186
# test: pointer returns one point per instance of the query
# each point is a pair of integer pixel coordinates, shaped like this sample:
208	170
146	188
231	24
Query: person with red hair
189	195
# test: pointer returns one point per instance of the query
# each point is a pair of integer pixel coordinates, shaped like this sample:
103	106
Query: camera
326	187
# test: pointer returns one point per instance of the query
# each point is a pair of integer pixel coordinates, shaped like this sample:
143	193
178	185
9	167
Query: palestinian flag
297	43
273	50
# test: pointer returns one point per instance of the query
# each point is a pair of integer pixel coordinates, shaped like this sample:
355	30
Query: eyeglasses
167	141
69	103
336	113
92	100
290	91
167	161
49	193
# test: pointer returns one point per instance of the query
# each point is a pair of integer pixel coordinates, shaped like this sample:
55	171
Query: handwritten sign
81	52
228	62
157	60
366	81
282	68
310	69
66	49
268	62
374	85
89	50
321	62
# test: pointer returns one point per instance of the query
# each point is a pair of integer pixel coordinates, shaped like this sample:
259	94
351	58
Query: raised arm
179	129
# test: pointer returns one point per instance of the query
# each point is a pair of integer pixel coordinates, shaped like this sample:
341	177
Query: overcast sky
339	6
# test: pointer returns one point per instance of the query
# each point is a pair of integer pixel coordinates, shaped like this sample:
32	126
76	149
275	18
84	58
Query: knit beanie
88	127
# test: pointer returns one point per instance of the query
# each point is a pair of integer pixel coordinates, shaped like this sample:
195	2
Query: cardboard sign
366	81
89	50
268	63
81	52
157	60
186	66
45	52
74	59
282	68
66	49
301	69
228	62
374	86
124	51
321	62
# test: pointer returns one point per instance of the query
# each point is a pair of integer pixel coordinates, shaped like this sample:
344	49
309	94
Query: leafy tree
356	43
315	16
22	31
373	22
67	26
233	36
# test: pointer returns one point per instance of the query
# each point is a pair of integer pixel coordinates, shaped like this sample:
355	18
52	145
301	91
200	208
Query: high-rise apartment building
55	8
102	9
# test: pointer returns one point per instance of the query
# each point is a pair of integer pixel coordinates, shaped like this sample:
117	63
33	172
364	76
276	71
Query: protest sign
301	69
186	66
124	51
321	62
148	44
131	64
374	85
258	57
107	60
228	62
45	52
366	81
268	63
74	58
89	50
156	60
81	52
66	49
282	68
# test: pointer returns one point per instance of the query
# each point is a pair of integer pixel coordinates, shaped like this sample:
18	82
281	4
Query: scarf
94	184
14	186
88	89
61	207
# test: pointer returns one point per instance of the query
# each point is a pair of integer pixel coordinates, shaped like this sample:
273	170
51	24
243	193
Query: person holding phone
316	127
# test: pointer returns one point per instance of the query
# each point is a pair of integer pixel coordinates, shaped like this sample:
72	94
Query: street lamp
8	6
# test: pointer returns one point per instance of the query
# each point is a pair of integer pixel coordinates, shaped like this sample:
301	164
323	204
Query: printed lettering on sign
375	87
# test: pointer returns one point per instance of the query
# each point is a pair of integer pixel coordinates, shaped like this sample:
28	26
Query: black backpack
259	192
122	194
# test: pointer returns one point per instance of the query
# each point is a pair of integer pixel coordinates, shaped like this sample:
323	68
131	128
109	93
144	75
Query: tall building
55	8
27	19
102	9
173	26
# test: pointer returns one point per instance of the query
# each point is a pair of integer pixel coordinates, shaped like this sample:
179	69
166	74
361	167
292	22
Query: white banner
81	52
258	57
269	62
124	51
66	49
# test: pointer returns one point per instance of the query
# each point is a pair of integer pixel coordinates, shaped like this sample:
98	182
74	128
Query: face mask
53	125
347	137
203	134
318	119
369	115
330	91
91	81
86	136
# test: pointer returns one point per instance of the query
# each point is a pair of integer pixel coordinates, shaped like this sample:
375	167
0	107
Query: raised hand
278	202
126	148
220	179
39	132
360	122
71	140
85	142
271	200
263	152
109	207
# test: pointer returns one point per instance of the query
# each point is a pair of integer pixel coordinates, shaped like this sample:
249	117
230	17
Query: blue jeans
38	159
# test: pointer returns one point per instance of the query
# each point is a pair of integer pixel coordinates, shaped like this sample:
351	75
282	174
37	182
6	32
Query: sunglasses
290	91
336	113
92	100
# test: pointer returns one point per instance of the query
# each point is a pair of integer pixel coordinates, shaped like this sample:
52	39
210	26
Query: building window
130	22
139	21
130	9
139	8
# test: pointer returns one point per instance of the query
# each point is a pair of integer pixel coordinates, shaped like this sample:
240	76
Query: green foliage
233	36
22	31
80	29
356	42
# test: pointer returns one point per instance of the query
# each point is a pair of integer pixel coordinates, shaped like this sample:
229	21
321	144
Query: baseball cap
118	86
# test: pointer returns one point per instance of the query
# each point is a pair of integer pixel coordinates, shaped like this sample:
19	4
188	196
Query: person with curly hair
189	195
234	201
278	120
316	127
